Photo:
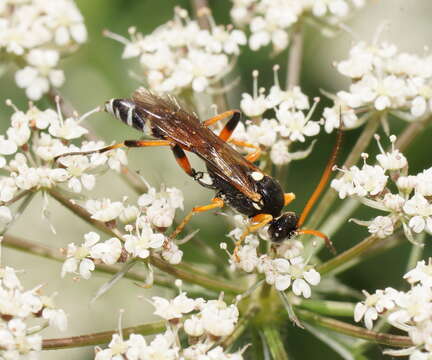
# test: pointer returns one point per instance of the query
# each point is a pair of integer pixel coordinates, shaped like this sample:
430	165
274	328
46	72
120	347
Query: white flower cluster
155	212
271	21
19	337
382	79
287	268
212	321
179	55
290	122
34	138
409	311
37	33
410	206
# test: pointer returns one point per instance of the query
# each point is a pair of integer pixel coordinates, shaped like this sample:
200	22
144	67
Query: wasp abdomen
125	111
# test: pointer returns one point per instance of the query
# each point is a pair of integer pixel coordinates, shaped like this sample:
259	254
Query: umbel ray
237	181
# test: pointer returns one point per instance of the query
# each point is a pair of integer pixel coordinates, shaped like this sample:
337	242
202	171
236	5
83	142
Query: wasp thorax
284	227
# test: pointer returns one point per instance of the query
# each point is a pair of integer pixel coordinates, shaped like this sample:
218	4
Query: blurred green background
96	73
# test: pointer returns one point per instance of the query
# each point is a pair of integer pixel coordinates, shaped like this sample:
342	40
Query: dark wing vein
171	121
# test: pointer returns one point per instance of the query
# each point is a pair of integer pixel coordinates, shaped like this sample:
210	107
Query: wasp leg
253	156
288	198
126	143
325	177
215	204
224	115
230	126
260	221
182	160
327	241
202	178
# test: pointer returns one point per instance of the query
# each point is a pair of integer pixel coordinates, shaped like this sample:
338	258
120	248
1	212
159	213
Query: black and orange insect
237	181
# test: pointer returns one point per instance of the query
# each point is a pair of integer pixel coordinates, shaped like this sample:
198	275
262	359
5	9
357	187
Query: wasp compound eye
283	227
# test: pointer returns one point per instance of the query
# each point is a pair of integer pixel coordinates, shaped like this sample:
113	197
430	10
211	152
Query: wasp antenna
324	178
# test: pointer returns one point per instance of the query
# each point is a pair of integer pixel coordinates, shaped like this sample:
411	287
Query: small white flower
104	210
193	326
5	215
393	202
393	160
172	254
263	134
421	211
129	214
381	226
407	183
68	129
162	347
423	182
56	317
173	309
295	125
366	311
7	147
217	318
40	75
136	346
345	184
9	279
115	351
369	180
145	239
303	276
255	105
248	258
108	251
421	273
77	166
78	257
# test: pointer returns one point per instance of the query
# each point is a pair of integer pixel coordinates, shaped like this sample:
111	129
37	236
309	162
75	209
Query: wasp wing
170	120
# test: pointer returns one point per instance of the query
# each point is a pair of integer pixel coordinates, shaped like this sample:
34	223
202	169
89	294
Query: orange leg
219	117
182	160
328	242
259	221
325	177
229	126
253	156
215	204
288	198
126	143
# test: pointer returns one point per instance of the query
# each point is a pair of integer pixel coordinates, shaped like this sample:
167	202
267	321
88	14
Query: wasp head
284	227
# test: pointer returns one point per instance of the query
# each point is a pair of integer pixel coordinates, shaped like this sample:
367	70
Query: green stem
355	331
325	307
374	250
101	337
17	197
295	58
333	223
362	345
416	252
240	328
410	133
192	275
275	342
349	254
